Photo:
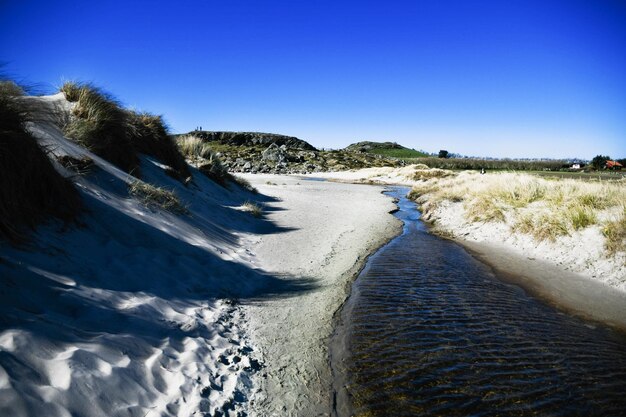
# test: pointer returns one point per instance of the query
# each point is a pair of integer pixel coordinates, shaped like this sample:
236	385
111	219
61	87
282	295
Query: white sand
139	312
335	226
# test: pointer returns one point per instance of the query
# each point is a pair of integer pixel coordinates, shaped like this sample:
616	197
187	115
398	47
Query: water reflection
431	331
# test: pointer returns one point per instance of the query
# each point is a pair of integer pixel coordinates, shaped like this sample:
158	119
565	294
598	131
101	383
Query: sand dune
136	311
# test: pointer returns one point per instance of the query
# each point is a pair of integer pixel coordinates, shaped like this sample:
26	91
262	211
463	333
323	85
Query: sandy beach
332	229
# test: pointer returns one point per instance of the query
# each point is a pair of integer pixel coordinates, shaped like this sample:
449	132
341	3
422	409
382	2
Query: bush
148	134
31	190
100	124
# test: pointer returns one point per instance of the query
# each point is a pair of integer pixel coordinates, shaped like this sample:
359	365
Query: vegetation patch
149	135
156	197
100	125
81	165
252	208
399	153
200	154
615	233
490	164
31	190
428	173
545	209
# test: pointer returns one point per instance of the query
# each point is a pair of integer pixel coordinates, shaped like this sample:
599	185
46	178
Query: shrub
31	190
100	124
149	135
156	197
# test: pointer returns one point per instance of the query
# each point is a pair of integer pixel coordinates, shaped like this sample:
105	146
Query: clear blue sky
493	78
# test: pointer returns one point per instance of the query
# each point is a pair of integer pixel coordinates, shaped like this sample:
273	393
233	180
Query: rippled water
429	330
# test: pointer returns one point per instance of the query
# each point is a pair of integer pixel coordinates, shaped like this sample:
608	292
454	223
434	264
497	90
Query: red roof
611	164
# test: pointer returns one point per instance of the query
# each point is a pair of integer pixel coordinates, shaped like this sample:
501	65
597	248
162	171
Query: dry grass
100	124
424	173
199	154
202	157
194	148
156	197
31	190
148	134
615	233
252	208
545	209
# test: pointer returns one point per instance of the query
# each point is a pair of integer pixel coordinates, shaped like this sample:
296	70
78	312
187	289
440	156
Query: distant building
613	165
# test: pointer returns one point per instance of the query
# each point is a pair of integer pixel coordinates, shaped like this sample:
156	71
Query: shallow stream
430	330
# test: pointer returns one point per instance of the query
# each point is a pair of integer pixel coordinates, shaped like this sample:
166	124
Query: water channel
429	330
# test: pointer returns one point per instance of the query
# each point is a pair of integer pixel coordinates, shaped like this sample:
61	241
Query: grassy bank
544	209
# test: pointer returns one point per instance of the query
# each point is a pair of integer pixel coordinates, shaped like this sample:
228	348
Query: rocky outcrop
253	139
279	154
283	160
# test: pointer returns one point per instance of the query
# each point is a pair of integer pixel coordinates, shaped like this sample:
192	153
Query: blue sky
490	78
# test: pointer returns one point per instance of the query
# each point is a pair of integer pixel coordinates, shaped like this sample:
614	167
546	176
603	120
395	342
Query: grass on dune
149	134
252	208
31	190
545	209
615	233
100	124
156	197
200	154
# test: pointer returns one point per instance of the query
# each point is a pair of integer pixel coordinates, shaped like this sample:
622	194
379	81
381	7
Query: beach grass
201	155
252	208
149	134
545	209
31	189
99	123
156	197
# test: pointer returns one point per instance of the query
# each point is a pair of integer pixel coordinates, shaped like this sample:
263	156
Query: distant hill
389	149
253	139
272	153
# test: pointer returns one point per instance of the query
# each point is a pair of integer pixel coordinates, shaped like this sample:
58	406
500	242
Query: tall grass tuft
156	197
201	156
252	208
149	135
615	233
100	124
31	190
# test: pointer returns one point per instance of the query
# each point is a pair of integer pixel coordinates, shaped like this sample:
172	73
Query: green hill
388	149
